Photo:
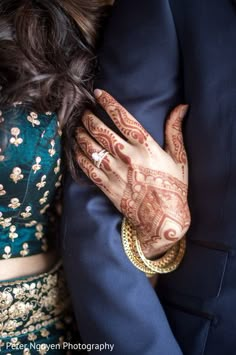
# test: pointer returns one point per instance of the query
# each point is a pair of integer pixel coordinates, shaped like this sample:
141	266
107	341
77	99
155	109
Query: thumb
173	135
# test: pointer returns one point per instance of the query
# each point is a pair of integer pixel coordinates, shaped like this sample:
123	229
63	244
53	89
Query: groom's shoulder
198	8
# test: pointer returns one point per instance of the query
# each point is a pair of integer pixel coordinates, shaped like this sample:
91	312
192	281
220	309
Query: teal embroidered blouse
29	176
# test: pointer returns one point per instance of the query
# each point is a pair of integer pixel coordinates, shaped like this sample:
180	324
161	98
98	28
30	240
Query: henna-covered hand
147	184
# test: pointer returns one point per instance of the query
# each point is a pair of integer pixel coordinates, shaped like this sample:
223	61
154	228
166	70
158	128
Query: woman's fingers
92	150
124	121
107	139
93	173
174	136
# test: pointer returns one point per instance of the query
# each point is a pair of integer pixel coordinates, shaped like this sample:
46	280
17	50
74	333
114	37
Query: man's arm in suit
113	301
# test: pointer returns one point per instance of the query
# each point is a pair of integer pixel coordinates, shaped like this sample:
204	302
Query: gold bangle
173	259
129	246
167	263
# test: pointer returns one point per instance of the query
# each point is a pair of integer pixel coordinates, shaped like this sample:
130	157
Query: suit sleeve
113	301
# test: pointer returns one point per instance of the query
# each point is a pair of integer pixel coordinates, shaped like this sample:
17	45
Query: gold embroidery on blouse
15	203
57	168
48	113
52	150
30	224
16	175
2	157
25	250
13	235
7	251
37	165
59	131
27	212
58	183
2	191
33	119
42	182
15	140
44	198
39	231
5	222
44	209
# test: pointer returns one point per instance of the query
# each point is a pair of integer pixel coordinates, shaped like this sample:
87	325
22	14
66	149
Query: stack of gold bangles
165	264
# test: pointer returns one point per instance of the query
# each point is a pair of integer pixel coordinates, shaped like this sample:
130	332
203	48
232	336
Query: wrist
154	247
165	264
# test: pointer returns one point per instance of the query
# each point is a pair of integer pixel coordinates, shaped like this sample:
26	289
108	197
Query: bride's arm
113	301
146	183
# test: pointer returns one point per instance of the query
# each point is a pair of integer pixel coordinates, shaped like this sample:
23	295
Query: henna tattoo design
107	139
156	204
176	139
91	172
88	148
154	201
130	127
180	154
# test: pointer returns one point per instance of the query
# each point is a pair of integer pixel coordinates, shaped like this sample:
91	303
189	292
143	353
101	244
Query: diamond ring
98	157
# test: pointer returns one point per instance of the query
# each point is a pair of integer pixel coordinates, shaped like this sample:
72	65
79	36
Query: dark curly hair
47	58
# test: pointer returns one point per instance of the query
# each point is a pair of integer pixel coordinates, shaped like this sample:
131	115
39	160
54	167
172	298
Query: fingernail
97	93
183	111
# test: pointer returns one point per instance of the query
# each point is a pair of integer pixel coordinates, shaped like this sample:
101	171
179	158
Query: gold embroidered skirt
35	315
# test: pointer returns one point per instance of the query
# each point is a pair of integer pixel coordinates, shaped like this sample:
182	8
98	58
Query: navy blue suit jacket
156	54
